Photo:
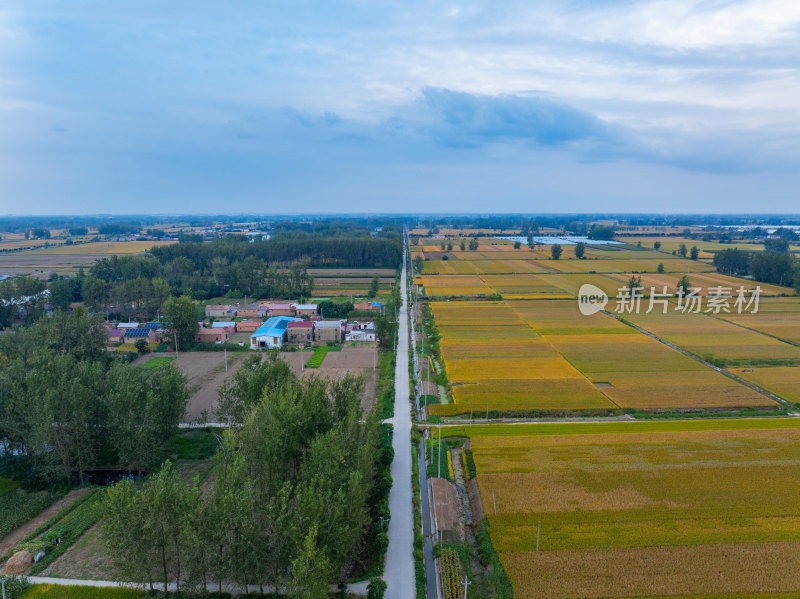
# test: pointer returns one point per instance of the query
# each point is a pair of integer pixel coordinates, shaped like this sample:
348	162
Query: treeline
297	480
774	265
67	408
318	250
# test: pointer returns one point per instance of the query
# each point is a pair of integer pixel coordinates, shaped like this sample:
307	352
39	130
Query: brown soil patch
475	503
11	540
351	360
205	372
447	516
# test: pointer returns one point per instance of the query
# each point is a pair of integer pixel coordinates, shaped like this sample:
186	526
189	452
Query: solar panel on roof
137	332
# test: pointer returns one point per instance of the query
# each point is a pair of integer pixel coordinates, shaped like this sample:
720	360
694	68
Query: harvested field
102	247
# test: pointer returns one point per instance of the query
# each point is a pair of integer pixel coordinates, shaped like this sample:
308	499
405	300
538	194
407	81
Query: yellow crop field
701	389
524	285
783	381
779	317
715	338
702	281
684	509
477	369
455	285
102	247
628	266
563	394
622	353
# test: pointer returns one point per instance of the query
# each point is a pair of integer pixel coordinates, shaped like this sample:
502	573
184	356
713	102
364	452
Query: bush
376	588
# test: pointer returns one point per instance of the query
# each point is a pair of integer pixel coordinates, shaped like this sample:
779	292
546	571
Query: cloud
465	119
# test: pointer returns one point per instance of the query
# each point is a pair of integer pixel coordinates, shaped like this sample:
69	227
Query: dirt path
8	542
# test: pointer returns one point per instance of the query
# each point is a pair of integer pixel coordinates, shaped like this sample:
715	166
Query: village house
280	310
221	324
133	335
300	332
328	331
218	335
250	310
305	310
220	311
271	334
360	331
114	334
248	326
367	307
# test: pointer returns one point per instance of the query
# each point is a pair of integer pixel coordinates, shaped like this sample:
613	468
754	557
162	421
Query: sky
259	106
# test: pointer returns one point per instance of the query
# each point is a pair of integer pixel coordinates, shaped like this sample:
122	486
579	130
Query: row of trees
317	250
770	266
247	276
70	408
289	502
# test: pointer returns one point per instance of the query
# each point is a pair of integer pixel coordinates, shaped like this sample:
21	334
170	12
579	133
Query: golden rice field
778	317
715	338
544	356
643	509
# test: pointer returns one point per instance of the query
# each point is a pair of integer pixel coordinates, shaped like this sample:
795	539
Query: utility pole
225	351
176	342
538	528
466	582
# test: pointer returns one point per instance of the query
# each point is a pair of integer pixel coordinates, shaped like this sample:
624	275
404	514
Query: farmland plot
643	509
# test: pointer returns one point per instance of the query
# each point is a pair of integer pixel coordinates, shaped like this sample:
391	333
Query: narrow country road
399	570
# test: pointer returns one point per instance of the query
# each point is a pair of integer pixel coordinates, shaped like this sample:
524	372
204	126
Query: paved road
399	570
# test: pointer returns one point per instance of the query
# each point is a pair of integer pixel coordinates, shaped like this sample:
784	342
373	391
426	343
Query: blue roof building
272	333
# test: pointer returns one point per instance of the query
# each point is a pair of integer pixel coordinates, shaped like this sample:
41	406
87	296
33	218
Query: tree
183	317
156	514
684	285
60	294
682	250
580	250
657	245
141	346
555	251
733	261
373	286
776	245
473	244
773	267
694	252
376	588
517	245
660	267
239	394
463	245
633	284
311	570
95	294
449	247
601	232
